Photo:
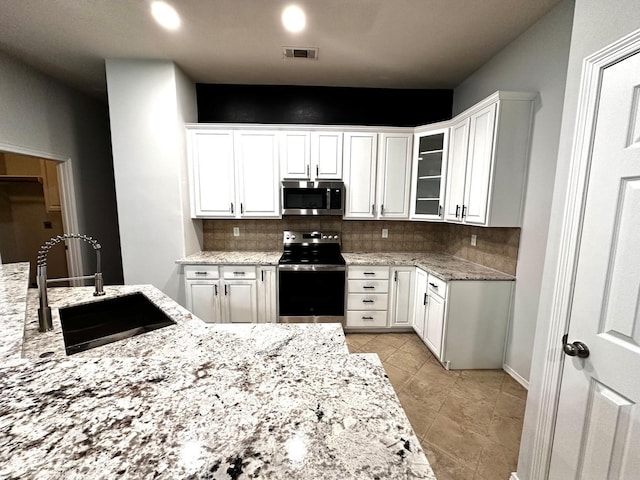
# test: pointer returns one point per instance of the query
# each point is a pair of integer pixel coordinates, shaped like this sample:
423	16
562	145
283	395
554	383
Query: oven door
311	293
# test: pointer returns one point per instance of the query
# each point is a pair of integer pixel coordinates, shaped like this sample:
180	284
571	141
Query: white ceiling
363	43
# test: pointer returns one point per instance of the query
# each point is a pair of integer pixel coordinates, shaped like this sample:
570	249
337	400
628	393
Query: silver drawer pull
369	273
433	285
368	286
368	301
201	273
367	318
239	273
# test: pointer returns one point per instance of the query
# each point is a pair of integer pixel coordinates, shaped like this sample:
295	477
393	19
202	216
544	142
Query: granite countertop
194	400
443	266
231	258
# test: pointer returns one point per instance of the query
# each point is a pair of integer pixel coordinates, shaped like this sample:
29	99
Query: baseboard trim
517	377
514	476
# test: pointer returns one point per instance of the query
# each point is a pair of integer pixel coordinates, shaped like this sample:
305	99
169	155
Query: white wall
37	113
596	24
536	61
149	101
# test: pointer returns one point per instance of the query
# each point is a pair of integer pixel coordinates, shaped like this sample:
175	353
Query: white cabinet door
203	300
267	295
479	164
360	153
428	175
326	155
394	175
295	155
240	304
420	302
256	156
434	326
457	165
211	173
402	291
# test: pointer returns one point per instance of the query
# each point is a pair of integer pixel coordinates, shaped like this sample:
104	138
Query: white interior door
597	432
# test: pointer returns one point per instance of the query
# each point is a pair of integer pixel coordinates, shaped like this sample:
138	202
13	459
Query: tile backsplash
496	247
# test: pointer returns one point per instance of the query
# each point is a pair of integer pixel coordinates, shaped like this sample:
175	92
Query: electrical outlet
236	231
385	233
474	238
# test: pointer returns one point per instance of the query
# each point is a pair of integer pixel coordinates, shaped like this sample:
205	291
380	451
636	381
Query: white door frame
67	191
579	167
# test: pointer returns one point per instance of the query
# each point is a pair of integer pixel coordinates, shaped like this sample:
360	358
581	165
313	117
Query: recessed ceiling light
293	18
165	15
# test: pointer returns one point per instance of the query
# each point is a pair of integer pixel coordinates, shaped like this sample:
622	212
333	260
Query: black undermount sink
107	321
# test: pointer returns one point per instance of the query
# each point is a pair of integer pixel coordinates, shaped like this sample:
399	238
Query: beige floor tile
476	389
444	466
407	361
394	339
415	345
431	391
397	376
420	416
496	462
468	412
489	378
509	406
506	431
381	348
458	442
509	385
359	339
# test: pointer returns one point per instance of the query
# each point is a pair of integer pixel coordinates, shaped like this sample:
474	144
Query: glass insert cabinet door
430	160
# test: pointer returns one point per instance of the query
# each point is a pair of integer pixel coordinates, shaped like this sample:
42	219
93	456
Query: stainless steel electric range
312	279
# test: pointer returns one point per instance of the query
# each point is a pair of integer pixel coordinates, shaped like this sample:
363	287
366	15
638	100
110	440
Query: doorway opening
32	210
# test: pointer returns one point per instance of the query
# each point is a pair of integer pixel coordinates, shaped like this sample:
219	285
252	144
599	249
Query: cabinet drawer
239	272
363	271
374	301
367	318
368	286
437	286
201	272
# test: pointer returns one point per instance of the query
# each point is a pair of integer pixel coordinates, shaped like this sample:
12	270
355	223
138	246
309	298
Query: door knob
575	349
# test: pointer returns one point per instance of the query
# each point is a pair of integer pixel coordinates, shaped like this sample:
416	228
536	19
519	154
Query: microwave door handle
328	199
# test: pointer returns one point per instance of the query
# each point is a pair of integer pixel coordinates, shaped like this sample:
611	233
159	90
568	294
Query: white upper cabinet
428	175
394	175
256	154
489	149
360	155
295	155
457	166
211	173
326	155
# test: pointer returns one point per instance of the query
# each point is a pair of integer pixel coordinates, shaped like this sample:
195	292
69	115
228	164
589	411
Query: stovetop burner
311	248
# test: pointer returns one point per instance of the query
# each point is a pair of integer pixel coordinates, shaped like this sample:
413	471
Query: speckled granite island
193	400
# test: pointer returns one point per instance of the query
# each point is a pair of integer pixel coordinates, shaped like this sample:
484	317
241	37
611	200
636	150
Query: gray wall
39	113
149	102
596	24
536	61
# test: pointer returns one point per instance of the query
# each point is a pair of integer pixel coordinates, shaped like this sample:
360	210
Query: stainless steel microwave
313	198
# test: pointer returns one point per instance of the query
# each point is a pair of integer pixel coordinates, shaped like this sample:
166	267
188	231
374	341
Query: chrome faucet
44	311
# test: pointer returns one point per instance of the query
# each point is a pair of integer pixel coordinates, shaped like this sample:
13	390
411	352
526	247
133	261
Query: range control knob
335	236
293	237
324	236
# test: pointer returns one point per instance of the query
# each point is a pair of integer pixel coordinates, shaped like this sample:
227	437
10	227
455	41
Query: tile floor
469	421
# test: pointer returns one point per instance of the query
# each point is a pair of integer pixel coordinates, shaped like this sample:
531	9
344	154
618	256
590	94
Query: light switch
473	240
236	231
385	233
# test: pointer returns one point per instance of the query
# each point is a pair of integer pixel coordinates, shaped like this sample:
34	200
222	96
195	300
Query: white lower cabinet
464	323
267	310
402	291
231	293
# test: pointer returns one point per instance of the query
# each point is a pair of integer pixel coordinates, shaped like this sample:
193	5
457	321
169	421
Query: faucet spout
45	322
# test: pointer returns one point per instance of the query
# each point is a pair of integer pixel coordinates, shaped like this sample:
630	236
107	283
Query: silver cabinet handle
262	275
317	170
215	288
367	318
308	173
368	286
373	209
201	273
368	301
424	302
457	210
231	207
395	276
225	288
433	285
369	273
381	209
241	208
439	210
464	207
239	273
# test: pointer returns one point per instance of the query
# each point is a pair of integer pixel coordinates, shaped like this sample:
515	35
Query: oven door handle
312	268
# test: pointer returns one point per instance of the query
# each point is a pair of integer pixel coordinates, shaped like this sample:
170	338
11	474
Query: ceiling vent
300	53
